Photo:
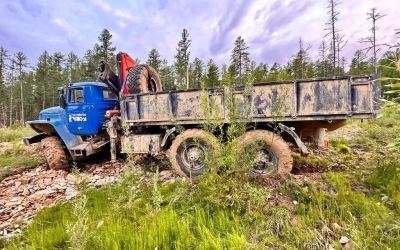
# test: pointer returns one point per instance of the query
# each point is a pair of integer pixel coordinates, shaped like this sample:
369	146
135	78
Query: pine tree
90	65
197	72
4	57
73	67
31	111
21	62
277	73
232	74
358	64
332	30
154	59
252	67
212	77
11	80
340	43
343	63
225	77
261	72
301	61
167	75
57	63
240	58
274	72
182	58
372	39
106	50
322	64
43	77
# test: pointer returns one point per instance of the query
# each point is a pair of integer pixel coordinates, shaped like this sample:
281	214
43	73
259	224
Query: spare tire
143	79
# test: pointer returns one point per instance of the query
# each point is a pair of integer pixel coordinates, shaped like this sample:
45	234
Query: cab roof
81	84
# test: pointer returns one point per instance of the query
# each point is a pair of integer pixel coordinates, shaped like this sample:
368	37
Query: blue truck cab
86	104
79	119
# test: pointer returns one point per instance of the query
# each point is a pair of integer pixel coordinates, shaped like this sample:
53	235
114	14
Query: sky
271	28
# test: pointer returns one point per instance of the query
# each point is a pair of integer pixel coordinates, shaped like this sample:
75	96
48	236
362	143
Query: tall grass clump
384	183
78	231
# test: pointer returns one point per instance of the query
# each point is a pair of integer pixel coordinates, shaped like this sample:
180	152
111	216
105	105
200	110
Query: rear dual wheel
267	152
190	152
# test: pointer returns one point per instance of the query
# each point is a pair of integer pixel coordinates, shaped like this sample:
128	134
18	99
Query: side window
108	94
76	95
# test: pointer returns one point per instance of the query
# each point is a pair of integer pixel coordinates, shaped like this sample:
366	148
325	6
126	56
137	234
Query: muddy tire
190	150
270	153
54	153
143	79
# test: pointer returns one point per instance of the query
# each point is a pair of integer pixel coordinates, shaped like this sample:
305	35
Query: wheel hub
193	154
193	157
265	162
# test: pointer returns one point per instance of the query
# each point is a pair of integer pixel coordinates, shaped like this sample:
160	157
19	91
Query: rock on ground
24	194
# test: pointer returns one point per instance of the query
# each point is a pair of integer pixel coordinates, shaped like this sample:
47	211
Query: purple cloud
270	28
221	39
34	9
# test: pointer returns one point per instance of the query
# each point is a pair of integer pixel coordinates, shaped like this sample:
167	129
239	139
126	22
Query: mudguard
52	127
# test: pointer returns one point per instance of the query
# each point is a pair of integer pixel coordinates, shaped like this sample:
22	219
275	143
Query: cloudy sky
271	28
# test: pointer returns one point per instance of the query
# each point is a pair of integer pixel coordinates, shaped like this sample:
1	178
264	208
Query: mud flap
112	132
296	138
34	138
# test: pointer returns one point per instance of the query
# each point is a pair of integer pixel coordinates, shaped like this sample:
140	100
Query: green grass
365	220
9	163
15	134
22	161
229	216
384	184
130	221
228	211
13	154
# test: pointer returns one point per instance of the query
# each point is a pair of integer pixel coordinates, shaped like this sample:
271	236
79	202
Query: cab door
77	110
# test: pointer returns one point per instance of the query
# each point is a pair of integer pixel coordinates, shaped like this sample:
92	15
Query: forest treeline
27	87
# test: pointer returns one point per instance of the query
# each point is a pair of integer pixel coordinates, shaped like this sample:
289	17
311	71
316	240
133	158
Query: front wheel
268	153
190	152
54	153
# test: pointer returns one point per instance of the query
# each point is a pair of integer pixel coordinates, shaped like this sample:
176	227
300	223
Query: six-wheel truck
132	113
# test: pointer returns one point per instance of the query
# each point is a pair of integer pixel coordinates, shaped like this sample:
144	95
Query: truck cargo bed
334	98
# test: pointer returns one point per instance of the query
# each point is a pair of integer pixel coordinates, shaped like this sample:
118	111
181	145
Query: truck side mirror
61	97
